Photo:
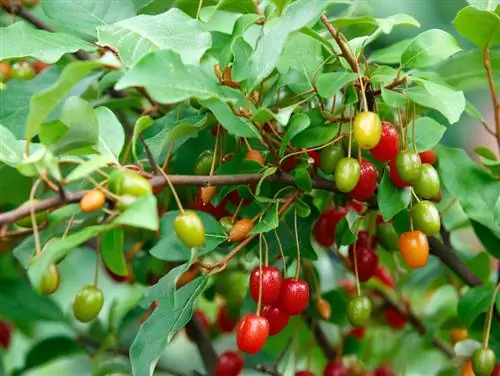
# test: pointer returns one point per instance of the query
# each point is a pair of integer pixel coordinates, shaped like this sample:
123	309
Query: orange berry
5	70
414	249
207	193
240	230
39	66
324	309
92	201
467	370
458	335
255	155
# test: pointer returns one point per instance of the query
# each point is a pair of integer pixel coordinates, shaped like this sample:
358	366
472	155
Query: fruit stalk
489	319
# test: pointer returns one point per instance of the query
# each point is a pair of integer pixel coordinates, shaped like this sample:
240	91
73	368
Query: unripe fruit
426	218
128	183
483	361
190	229
92	201
408	166
277	319
335	369
388	237
226	223
384	276
359	310
388	146
427	185
324	228
207	193
458	335
367	129
330	157
229	363
255	155
22	70
5	334
252	333
232	285
367	183
294	296
324	309
204	163
271	284
50	280
347	174
414	248
240	230
88	303
395	178
428	156
25	222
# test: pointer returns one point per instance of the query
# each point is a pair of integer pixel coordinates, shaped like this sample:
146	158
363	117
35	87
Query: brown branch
321	338
494	98
203	343
390	86
344	47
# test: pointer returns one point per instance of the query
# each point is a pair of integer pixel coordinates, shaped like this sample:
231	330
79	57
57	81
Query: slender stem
236	212
355	257
494	98
68	227
350	139
97	262
259	301
297	268
413	131
487	326
332	142
36	234
280	247
167	158
172	188
216	147
200	4
266	255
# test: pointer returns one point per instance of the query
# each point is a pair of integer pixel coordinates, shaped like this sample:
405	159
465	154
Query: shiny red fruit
304	373
277	319
218	212
384	371
271	284
359	208
229	363
496	370
367	261
225	321
315	156
202	321
428	156
116	277
367	183
5	334
365	241
324	229
252	333
384	276
388	146
358	332
394	318
335	369
294	296
396	180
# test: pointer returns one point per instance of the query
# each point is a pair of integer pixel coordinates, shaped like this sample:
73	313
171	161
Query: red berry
396	180
367	182
356	206
394	318
304	373
428	156
358	332
229	363
225	321
496	370
335	369
384	276
388	146
324	229
365	241
367	261
271	284
5	334
218	212
315	156
384	371
277	319
252	333
289	164
202	321
294	296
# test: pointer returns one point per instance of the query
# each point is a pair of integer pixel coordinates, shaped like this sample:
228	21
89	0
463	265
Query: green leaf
485	152
383	74
237	6
173	30
42	104
88	167
302	178
87	15
476	190
393	98
10	150
476	301
21	40
387	24
143	213
484	4
449	102
111	134
429	48
428	132
316	136
242	52
391	54
157	331
346	229
480	27
268	222
338	299
329	84
170	248
141	124
391	200
298	123
112	251
164	289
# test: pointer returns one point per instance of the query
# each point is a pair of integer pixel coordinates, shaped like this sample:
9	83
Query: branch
344	47
390	86
494	98
321	338
203	343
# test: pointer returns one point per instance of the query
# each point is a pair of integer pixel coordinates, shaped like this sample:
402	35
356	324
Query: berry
408	166
252	333
207	193
388	237
190	229
347	174
364	240
367	129
39	66
483	361
229	363
335	369
5	71
289	164
128	183
22	70
384	276
358	332
203	322
240	230
367	261
232	285
395	319
304	373
428	156
427	185
396	179
88	303
359	310
384	371
367	182
348	285
256	156
277	319
330	157
388	146
426	218
316	158
496	370
414	249
5	334
271	284
50	280
458	335
467	369
324	309
92	201
324	229
294	296
204	163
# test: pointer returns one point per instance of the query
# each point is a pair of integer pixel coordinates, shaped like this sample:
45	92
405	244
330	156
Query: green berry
204	163
233	286
25	222
22	70
408	166
483	362
367	129
330	157
226	223
347	174
426	218
128	183
387	237
88	303
50	280
427	185
190	229
359	310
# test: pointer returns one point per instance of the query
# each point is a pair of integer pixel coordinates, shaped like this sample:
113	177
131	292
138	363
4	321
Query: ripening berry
92	201
252	333
240	230
255	155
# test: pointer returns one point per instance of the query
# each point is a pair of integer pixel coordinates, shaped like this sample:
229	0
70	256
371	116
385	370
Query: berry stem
266	255
172	188
297	268
259	301
414	194
236	212
68	227
332	142
358	287
280	247
216	147
350	139
413	131
245	141
487	326
36	235
200	4
97	263
167	158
